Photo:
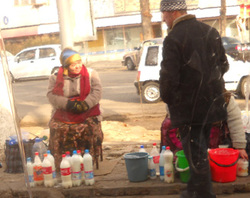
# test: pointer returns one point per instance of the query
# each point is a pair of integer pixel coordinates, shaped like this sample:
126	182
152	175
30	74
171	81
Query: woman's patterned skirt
69	137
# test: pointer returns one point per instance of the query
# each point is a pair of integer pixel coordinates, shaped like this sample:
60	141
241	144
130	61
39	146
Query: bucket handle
180	169
223	165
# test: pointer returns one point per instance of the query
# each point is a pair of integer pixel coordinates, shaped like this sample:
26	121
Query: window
46	52
152	56
27	55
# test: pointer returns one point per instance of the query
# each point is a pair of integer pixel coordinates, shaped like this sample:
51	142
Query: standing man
191	83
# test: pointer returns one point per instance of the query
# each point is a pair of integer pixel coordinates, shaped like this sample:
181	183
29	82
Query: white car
34	62
147	82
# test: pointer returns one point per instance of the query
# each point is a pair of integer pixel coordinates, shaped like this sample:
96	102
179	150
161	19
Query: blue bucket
137	166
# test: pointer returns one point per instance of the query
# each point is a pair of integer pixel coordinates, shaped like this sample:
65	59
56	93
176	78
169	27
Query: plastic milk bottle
142	149
242	167
152	168
82	166
76	169
52	161
88	168
162	162
168	166
30	172
37	170
47	172
156	157
65	172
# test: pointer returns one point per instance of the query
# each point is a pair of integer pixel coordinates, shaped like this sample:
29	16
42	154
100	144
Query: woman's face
75	67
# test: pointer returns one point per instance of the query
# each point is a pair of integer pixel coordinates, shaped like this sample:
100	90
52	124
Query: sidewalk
111	180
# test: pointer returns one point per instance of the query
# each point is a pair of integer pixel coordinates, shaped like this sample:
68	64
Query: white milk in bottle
162	162
151	168
47	172
168	166
37	170
82	166
76	169
242	167
156	157
142	149
30	172
52	161
65	172
88	168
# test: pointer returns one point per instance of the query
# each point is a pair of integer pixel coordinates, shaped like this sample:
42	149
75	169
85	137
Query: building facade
26	23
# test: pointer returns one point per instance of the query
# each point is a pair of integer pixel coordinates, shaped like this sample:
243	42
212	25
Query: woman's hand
243	153
77	106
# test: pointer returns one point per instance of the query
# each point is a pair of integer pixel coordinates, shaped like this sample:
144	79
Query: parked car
147	82
34	62
236	49
131	59
9	56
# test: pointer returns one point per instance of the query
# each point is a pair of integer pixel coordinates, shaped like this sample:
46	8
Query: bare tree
146	19
223	18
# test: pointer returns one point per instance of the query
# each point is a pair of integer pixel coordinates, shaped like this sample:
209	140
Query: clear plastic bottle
39	147
88	168
82	166
65	172
52	161
156	157
47	172
242	167
30	172
142	149
152	168
162	162
168	166
37	170
68	157
76	169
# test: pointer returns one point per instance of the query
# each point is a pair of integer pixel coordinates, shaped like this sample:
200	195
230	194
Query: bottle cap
86	150
163	147
79	151
48	151
28	159
36	153
45	154
63	155
154	144
142	146
74	152
150	157
168	148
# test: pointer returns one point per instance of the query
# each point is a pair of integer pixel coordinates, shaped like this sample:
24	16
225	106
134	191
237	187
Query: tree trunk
146	20
223	18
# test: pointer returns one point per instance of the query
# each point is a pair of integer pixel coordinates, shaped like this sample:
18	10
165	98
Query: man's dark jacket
191	75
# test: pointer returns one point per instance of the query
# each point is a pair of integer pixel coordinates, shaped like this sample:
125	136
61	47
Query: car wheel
151	92
130	64
54	70
243	86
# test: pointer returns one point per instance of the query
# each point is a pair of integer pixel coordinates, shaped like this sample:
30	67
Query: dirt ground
140	129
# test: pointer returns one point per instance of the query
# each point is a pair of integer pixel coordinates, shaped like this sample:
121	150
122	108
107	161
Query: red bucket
223	164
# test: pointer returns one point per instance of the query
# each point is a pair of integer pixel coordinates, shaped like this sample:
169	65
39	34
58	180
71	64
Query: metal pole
66	30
